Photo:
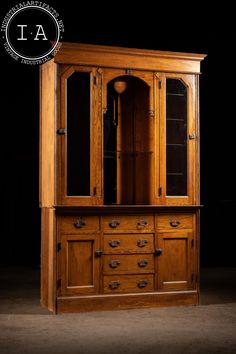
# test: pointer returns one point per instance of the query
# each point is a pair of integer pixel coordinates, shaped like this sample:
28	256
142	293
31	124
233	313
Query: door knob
158	251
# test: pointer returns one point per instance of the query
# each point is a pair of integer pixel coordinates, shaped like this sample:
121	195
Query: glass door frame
95	143
190	82
149	78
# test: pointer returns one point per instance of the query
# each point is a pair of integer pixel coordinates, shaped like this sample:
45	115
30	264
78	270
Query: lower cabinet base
126	301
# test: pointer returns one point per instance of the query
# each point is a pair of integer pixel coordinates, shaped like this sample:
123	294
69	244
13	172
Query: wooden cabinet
119	178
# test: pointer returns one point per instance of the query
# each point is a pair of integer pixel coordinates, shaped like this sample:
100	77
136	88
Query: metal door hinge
61	131
151	113
58	283
159	84
58	246
192	136
194	278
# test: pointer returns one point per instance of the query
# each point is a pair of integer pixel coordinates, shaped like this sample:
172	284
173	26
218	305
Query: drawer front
128	223
79	224
175	221
127	264
128	283
128	243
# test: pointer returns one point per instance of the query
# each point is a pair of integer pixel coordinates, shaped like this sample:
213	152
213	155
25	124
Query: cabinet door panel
79	266
176	263
178	131
79	127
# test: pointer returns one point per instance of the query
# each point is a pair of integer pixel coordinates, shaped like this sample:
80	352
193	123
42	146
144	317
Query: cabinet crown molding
120	57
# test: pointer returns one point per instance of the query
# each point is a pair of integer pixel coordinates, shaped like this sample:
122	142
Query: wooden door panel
79	266
176	263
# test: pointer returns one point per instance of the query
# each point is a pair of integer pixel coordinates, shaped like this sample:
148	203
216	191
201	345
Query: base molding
126	301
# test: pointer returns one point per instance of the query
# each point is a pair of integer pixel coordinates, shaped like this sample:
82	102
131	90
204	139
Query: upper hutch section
119	126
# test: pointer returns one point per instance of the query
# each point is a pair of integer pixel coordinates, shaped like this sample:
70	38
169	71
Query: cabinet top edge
68	47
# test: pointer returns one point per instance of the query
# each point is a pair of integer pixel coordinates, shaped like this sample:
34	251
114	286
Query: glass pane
78	134
176	138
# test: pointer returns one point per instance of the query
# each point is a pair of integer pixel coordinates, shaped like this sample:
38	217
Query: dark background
139	26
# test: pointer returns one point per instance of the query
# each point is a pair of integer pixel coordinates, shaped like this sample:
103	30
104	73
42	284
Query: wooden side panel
47	134
78	264
176	263
48	259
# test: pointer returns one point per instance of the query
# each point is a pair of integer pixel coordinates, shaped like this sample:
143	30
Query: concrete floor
27	328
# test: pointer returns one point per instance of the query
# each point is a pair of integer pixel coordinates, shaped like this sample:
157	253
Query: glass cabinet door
78	148
178	140
128	154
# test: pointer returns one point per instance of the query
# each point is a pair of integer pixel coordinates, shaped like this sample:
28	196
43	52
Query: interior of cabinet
128	152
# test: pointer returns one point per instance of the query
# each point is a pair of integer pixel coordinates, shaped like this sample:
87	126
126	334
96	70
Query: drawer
79	224
175	221
128	223
128	264
128	283
128	243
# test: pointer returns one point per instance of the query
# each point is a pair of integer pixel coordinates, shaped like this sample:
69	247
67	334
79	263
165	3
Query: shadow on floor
19	289
218	286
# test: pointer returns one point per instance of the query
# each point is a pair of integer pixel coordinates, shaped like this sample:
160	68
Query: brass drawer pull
114	243
142	243
114	284
79	223
142	223
142	283
158	251
114	263
114	223
143	263
174	223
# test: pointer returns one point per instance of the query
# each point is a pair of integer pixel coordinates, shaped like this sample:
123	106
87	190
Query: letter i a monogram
40	32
